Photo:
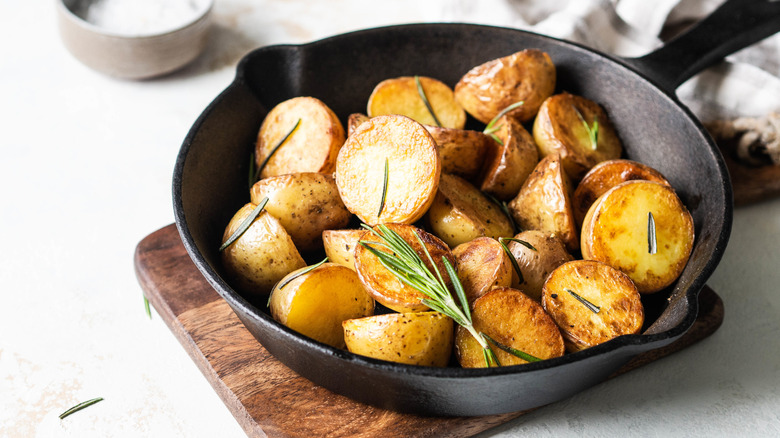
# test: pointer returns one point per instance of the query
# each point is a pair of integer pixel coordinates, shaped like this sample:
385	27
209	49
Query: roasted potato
560	128
383	285
401	96
592	303
487	89
513	319
423	338
536	264
261	256
482	265
340	246
462	151
461	213
305	203
618	231
315	303
354	120
407	151
311	147
606	175
509	161
543	203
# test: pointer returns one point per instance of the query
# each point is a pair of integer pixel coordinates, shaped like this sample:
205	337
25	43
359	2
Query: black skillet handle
736	24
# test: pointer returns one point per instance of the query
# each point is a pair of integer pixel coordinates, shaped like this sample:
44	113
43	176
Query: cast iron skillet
210	184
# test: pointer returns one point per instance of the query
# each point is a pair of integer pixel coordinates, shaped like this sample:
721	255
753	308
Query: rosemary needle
146	306
512	259
245	224
425	100
491	127
514	352
504	208
652	244
593	130
384	189
302	272
80	406
592	307
273	151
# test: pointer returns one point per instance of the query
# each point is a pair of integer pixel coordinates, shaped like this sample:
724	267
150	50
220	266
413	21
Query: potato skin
261	256
606	175
340	246
401	96
482	265
527	75
354	120
615	232
461	213
620	310
559	130
513	319
313	146
423	338
544	204
317	302
384	286
462	151
509	163
537	265
305	203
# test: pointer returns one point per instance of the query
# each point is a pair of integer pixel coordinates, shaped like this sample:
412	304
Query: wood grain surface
269	399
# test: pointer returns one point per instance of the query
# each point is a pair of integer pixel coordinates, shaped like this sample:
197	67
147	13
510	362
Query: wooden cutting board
266	397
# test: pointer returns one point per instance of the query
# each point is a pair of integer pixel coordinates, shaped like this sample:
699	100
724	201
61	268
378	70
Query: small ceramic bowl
133	53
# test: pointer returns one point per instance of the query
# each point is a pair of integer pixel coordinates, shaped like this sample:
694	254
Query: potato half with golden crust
340	246
511	318
401	96
618	231
423	338
560	129
413	170
462	151
606	175
487	89
383	285
312	147
536	264
543	203
482	265
461	213
315	303
508	163
305	203
261	256
592	303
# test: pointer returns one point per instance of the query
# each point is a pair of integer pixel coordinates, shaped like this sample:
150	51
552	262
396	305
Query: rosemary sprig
245	224
592	307
301	272
273	151
424	98
652	244
513	351
384	188
408	267
146	306
522	242
491	127
512	259
80	406
593	130
504	208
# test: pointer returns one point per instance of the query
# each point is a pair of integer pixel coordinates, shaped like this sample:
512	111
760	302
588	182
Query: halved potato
482	265
401	96
527	76
511	318
592	303
462	151
536	264
305	203
315	303
606	175
616	231
383	285
423	338
261	256
340	246
508	163
413	167
543	203
461	213
559	129
312	147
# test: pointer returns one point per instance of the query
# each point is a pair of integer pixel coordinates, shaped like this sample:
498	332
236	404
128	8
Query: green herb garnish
521	242
245	224
146	306
515	352
80	406
504	208
652	245
592	307
491	127
301	272
384	188
408	267
424	98
593	130
273	151
512	258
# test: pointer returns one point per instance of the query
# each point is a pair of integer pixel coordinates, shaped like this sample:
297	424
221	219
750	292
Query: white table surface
85	174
